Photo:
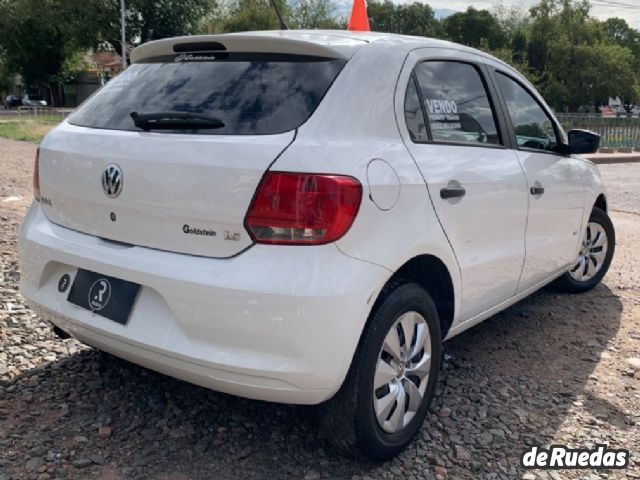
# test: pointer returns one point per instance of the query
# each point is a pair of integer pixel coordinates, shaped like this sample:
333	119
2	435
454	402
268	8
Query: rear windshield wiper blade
174	121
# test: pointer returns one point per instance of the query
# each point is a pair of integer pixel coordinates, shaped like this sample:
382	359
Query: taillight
36	176
303	208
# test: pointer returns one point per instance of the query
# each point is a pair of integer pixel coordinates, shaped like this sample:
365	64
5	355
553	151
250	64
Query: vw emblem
112	180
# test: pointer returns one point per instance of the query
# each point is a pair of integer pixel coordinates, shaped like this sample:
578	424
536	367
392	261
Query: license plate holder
103	295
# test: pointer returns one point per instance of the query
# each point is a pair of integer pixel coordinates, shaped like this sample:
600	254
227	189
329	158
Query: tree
518	44
617	31
247	15
557	21
149	19
589	75
44	40
5	78
313	14
411	19
472	26
576	63
512	20
37	44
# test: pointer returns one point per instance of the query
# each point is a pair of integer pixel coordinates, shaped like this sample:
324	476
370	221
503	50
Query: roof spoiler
254	42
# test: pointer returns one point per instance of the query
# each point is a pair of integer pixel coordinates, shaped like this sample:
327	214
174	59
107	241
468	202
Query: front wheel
385	397
594	258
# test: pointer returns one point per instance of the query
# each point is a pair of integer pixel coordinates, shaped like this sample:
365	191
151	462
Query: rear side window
456	103
533	127
252	94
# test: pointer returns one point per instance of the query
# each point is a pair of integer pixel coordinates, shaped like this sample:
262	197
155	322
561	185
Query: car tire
594	259
350	420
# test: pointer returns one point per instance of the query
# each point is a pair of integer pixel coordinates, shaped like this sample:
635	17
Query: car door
556	191
476	184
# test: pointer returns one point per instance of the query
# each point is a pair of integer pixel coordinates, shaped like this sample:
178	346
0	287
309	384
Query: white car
304	217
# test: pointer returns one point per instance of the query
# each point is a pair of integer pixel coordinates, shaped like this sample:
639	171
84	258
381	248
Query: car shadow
518	372
535	361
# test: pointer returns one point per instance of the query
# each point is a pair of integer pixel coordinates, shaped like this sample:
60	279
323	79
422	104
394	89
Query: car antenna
283	26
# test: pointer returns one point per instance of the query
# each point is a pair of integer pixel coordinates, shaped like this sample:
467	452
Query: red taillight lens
36	176
303	208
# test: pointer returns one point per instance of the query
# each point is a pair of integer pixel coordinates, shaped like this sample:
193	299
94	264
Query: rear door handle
536	190
455	192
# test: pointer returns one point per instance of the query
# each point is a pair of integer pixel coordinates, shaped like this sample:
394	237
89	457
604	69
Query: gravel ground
551	369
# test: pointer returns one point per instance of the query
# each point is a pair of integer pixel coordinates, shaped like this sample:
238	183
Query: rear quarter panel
354	125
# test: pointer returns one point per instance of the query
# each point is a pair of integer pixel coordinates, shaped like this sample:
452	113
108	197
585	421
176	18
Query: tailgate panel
181	193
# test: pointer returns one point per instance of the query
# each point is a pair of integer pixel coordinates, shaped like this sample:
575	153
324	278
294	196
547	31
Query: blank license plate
107	296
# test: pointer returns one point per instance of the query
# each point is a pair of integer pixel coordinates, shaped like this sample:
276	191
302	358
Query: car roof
324	43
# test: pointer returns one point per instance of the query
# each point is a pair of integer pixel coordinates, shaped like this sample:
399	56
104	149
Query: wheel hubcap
402	372
592	253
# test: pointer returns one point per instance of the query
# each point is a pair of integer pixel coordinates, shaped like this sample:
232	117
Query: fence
43	113
620	132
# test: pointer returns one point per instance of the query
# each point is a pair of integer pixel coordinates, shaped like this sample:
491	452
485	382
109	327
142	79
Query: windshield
249	93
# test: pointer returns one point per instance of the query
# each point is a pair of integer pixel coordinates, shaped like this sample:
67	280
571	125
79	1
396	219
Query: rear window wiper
174	121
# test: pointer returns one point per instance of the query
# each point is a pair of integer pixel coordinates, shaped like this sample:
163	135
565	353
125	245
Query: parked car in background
33	100
12	101
276	216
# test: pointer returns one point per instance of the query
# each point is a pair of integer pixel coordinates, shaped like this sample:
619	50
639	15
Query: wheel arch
431	273
601	202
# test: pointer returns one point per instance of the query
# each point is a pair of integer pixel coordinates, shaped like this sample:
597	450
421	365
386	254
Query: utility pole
123	40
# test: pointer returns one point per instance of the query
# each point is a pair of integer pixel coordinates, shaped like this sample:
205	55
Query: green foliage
150	19
34	43
578	60
5	78
617	31
246	15
512	20
474	26
410	19
45	40
28	129
313	14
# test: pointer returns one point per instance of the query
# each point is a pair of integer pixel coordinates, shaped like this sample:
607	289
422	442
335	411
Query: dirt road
552	369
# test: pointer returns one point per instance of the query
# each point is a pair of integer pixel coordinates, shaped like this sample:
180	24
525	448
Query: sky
630	13
602	9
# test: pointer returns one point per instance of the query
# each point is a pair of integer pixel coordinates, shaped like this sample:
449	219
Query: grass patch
28	130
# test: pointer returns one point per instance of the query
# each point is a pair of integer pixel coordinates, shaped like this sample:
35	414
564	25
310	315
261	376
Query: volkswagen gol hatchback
304	217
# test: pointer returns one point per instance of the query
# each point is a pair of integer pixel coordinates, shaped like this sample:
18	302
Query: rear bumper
274	323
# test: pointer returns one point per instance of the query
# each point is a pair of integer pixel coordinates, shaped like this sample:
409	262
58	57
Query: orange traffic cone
359	20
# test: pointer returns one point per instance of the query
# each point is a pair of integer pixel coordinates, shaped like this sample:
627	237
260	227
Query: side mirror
583	141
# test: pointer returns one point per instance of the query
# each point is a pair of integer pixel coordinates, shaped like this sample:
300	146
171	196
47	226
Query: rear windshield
252	94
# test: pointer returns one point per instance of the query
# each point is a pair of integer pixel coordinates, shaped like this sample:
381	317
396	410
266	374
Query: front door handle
455	192
536	190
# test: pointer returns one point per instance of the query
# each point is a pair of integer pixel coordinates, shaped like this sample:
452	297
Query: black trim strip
416	85
198	47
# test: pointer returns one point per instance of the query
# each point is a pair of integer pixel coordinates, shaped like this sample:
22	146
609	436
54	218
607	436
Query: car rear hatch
224	110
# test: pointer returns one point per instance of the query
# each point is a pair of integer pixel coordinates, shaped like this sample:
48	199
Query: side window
533	127
413	114
456	103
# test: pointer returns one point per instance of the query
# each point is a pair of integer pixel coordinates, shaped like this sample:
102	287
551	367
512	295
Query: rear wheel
594	258
387	392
